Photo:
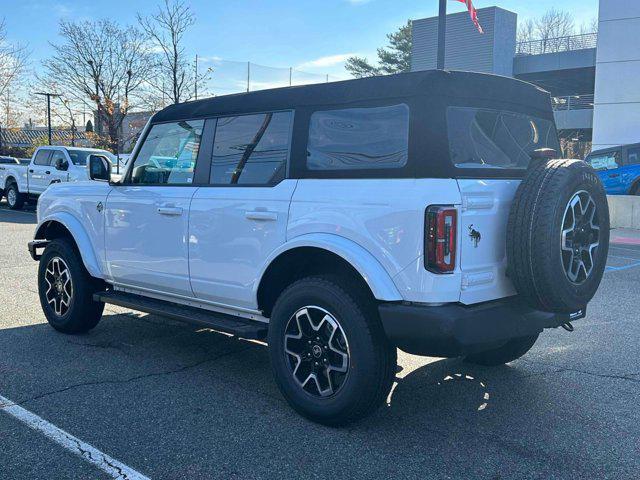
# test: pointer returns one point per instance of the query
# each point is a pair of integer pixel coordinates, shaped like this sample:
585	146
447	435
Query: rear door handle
614	175
167	210
261	215
48	172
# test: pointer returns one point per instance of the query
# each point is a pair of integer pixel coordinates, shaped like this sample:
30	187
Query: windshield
483	138
81	157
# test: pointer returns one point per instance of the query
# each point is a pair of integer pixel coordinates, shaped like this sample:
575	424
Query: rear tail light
440	239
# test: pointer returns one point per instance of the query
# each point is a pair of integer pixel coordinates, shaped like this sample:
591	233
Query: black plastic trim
454	330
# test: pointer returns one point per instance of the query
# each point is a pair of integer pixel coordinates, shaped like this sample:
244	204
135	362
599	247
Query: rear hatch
491	150
484	213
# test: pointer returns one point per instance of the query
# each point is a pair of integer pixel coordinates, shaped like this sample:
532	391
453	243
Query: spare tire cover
558	236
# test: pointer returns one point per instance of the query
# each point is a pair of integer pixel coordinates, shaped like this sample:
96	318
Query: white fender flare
80	236
372	271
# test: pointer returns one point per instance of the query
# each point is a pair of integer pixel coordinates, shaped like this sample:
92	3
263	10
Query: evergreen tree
395	58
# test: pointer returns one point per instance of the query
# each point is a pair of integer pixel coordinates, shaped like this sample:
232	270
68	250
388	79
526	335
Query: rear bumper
454	330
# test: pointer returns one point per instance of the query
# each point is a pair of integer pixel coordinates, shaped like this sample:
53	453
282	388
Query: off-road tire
83	313
534	235
510	351
20	198
373	360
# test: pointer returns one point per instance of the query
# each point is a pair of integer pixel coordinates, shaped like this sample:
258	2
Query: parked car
337	222
619	168
49	165
8	161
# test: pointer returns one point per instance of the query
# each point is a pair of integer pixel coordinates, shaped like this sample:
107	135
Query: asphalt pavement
177	401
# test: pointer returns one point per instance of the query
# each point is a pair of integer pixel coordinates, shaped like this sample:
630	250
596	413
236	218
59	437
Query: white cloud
328	61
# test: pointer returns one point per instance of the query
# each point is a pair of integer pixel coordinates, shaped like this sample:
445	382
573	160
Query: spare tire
558	236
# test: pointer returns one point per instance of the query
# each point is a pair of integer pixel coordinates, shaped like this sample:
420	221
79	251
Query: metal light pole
48	95
442	33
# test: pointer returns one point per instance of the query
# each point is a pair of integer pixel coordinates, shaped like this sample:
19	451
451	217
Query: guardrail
572	102
560	44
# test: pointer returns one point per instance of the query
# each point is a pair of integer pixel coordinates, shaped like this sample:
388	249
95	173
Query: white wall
616	118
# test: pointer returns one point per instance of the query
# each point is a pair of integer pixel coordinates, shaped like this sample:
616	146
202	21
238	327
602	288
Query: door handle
166	210
261	215
48	172
614	175
30	170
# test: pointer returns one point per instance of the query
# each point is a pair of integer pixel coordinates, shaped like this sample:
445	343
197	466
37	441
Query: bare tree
102	62
549	31
13	60
175	77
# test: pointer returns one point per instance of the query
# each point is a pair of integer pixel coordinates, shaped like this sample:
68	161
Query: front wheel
66	289
329	354
510	351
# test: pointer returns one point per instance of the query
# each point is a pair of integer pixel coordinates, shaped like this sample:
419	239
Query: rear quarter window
368	138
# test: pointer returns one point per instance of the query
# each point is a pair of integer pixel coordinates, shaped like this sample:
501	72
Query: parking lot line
624	267
104	462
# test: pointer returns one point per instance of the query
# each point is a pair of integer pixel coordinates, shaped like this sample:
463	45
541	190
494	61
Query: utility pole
442	33
48	95
248	75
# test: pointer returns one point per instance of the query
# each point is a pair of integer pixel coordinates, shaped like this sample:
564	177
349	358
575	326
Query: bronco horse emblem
474	235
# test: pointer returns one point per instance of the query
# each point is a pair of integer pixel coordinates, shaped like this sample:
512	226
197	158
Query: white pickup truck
54	164
337	222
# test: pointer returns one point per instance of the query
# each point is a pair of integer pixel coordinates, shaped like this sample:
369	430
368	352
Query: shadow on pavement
165	394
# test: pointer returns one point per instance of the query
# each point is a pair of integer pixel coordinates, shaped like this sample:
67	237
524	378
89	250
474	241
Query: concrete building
566	67
617	92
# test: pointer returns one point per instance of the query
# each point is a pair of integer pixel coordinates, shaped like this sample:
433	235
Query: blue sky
313	35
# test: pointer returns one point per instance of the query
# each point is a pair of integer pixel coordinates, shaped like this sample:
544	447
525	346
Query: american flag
472	13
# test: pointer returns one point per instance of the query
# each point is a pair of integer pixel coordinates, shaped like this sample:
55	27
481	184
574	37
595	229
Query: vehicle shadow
25	216
190	383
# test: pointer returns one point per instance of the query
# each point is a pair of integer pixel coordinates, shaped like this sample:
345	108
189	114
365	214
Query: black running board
238	326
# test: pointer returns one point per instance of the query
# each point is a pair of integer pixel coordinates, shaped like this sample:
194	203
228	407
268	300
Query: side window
633	156
605	161
251	149
42	157
168	155
359	138
55	156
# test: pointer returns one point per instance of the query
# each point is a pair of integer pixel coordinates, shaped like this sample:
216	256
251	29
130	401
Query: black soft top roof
430	83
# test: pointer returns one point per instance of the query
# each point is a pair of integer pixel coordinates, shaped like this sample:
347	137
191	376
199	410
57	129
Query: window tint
251	149
359	138
633	156
605	161
55	155
482	138
42	157
169	153
6	160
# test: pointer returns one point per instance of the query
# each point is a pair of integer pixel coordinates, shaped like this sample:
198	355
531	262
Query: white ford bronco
338	222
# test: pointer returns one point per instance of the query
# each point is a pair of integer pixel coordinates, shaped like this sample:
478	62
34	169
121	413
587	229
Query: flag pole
442	33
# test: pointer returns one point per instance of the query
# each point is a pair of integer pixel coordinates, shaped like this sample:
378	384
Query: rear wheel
66	289
329	354
15	199
510	351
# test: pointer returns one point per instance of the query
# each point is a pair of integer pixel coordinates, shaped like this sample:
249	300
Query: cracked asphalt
178	401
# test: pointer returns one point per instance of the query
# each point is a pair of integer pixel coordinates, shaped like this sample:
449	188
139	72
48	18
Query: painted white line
104	462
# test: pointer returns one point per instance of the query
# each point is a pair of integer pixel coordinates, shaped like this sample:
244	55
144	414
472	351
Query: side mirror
99	168
61	164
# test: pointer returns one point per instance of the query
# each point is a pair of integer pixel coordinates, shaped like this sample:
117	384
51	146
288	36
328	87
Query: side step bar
218	321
